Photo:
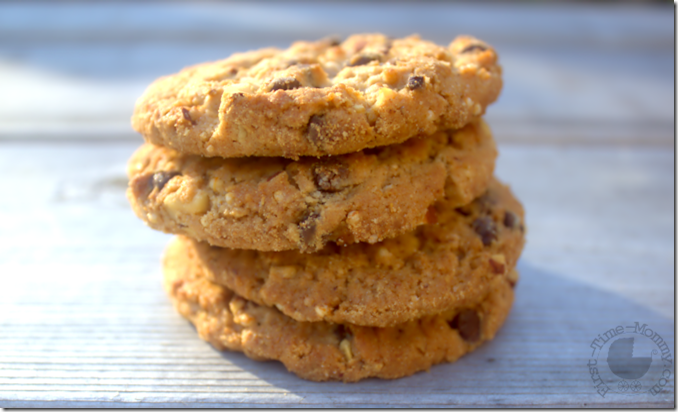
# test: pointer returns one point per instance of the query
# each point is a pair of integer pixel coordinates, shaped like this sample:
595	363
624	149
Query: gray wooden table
585	128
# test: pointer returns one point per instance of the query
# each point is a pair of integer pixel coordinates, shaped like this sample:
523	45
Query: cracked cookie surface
439	267
276	204
323	351
320	98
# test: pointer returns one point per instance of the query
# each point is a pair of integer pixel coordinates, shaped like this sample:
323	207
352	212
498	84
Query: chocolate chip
416	82
160	179
315	129
330	178
487	200
142	186
511	220
473	47
486	229
308	228
284	83
187	115
467	322
364	58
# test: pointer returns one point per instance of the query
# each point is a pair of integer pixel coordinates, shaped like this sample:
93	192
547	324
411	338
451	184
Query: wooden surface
585	125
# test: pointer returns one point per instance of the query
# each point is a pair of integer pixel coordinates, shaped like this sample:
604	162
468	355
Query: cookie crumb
285	272
498	264
236	304
384	256
321	311
513	277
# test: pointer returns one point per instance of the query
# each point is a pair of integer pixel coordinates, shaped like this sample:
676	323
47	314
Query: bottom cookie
322	351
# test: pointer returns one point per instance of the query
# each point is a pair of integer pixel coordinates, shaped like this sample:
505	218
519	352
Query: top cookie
320	98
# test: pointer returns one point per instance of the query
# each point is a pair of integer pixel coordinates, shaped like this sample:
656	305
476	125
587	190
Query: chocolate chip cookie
324	351
275	204
320	98
442	266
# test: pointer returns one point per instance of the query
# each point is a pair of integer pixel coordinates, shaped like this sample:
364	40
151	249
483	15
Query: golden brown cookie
324	351
278	204
439	267
320	98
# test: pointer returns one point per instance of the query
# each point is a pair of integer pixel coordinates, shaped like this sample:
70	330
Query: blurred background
585	126
573	71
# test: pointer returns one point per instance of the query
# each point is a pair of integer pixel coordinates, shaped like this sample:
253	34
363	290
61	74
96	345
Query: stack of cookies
334	203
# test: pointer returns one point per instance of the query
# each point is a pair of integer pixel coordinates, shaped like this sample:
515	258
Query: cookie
276	204
320	98
322	351
439	267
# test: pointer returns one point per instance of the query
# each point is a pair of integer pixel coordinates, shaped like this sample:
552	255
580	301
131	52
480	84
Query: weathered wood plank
572	71
85	323
585	25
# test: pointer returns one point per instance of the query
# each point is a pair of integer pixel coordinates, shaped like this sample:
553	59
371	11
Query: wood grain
586	126
85	322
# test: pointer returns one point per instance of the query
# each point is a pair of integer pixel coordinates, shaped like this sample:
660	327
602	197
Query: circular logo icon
630	360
